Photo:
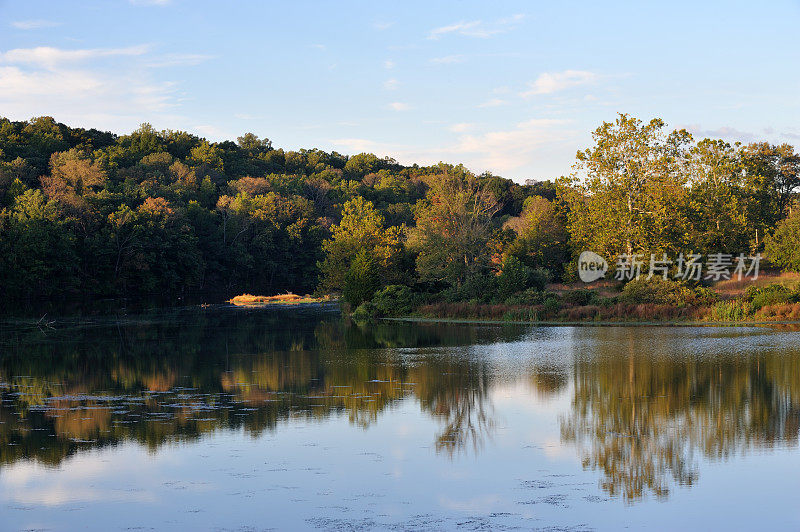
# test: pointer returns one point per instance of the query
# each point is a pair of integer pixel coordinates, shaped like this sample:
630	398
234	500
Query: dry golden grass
735	287
283	299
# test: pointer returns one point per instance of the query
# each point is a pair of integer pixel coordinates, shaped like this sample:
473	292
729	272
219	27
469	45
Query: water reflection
172	377
643	413
647	405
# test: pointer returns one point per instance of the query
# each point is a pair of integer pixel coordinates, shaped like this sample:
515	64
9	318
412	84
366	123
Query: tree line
91	213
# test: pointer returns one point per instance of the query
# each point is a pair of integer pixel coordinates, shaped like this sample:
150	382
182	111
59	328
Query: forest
90	214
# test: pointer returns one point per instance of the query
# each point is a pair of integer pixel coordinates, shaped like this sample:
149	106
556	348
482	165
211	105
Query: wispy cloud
461	128
508	150
34	24
381	25
391	84
211	132
49	57
172	60
448	59
724	132
399	106
355	145
477	28
493	102
77	86
551	82
388	64
501	151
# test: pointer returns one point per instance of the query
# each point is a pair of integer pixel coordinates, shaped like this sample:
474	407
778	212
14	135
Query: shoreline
675	323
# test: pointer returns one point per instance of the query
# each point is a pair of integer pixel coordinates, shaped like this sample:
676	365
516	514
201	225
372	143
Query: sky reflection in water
243	419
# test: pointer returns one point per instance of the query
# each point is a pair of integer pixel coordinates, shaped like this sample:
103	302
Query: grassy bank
771	299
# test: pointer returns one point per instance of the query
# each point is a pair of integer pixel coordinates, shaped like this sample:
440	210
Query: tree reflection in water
175	376
644	418
645	407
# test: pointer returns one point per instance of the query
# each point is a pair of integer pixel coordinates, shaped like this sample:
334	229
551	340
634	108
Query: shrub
364	313
479	287
539	278
514	278
733	310
394	300
531	296
786	311
551	305
580	298
773	294
661	292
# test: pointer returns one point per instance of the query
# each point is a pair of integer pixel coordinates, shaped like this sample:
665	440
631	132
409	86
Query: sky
515	88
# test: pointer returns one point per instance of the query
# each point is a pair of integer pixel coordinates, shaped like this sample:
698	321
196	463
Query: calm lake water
236	419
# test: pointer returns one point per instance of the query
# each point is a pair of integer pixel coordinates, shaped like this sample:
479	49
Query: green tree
362	279
453	228
627	193
361	228
718	201
541	240
783	247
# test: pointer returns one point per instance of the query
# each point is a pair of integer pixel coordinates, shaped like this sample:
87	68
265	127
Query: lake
225	418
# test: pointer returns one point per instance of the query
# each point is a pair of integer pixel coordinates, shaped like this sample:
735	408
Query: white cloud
209	131
463	28
355	145
388	65
172	60
477	28
399	106
493	102
390	84
501	151
49	57
461	128
551	82
448	59
724	132
508	150
70	86
34	24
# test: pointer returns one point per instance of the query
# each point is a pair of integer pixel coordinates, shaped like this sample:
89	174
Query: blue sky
511	87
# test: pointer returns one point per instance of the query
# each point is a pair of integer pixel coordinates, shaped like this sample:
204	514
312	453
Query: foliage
361	228
394	300
86	212
773	294
663	292
454	225
514	277
733	310
362	278
541	238
783	247
634	196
